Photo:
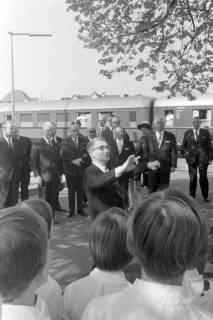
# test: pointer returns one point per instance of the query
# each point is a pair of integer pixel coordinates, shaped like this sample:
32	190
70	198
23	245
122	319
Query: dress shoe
58	208
55	222
70	214
206	200
82	213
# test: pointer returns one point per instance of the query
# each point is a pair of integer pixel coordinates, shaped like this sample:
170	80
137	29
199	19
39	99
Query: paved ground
69	249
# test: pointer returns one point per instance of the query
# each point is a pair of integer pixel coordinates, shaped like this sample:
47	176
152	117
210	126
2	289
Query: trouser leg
204	184
25	181
80	194
193	179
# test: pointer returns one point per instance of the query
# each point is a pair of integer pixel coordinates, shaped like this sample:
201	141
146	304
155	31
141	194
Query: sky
53	67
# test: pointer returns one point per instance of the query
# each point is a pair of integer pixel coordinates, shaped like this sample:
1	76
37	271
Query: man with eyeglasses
101	184
91	133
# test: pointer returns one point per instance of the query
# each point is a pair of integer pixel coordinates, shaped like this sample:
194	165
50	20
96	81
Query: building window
43	117
26	120
169	116
132	119
8	117
62	120
204	115
85	119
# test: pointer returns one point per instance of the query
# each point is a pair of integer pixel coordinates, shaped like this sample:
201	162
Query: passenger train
178	112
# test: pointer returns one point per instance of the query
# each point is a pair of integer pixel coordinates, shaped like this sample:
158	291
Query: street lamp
12	64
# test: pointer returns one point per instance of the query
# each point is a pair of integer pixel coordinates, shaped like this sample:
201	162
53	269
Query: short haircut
91	144
42	208
108	244
159	118
167	235
48	124
23	250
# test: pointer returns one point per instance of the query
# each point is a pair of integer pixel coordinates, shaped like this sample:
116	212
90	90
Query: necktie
196	135
159	139
50	143
75	141
10	144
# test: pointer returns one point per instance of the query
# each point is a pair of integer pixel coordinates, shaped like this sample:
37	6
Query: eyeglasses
101	148
92	131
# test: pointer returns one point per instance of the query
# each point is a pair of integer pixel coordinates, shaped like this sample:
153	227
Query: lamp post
12	63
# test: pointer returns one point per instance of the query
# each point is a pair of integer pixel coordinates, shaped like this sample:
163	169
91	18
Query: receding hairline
92	144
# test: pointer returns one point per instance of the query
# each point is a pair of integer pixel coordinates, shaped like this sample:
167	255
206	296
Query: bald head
91	131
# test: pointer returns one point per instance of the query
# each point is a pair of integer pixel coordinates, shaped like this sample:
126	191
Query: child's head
167	235
23	251
42	208
108	240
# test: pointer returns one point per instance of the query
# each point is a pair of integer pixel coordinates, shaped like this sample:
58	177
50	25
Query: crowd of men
98	166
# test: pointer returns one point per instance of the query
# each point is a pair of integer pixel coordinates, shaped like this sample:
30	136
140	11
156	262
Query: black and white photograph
106	160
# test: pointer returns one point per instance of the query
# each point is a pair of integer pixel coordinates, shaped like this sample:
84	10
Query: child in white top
109	250
49	291
24	263
168	237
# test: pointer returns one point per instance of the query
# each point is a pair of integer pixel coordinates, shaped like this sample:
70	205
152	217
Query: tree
142	36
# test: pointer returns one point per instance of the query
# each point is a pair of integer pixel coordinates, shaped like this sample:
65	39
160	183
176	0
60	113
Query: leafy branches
142	36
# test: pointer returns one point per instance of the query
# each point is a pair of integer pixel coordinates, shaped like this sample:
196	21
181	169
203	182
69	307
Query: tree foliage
142	37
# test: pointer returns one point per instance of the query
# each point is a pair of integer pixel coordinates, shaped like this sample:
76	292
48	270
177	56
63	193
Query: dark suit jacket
70	152
10	160
46	161
102	190
10	171
105	133
117	159
168	150
110	137
200	150
26	145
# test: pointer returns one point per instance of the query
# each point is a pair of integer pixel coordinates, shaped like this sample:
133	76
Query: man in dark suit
115	122
198	151
101	185
47	165
102	130
120	150
160	145
75	159
10	165
26	146
58	140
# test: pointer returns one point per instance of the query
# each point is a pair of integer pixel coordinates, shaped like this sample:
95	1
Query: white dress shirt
52	295
159	136
119	143
198	131
147	301
21	312
98	283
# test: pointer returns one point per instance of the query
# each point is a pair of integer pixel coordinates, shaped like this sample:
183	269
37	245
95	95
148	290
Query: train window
8	117
169	116
26	120
85	118
204	115
62	120
43	117
132	119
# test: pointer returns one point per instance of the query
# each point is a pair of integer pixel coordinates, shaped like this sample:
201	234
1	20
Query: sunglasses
92	131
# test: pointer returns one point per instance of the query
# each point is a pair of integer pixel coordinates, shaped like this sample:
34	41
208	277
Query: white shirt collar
115	277
198	130
99	165
165	294
46	140
158	134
